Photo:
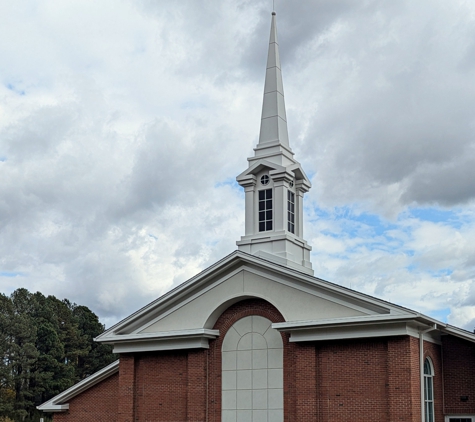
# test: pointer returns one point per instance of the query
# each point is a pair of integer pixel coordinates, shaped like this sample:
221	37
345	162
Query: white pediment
257	167
293	302
185	317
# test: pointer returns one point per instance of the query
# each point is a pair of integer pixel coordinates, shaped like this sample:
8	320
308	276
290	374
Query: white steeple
274	119
275	183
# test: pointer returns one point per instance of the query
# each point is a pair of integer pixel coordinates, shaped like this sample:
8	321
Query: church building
257	337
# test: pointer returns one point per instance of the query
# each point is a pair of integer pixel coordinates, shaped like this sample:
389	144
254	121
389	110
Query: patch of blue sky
440	314
414	267
316	212
3	158
212	243
370	231
11	274
15	89
441	272
230	181
358	224
310	174
436	215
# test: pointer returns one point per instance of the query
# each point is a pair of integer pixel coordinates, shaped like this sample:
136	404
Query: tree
7	392
100	355
22	352
46	345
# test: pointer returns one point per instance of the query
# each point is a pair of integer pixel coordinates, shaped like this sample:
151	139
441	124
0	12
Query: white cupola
275	183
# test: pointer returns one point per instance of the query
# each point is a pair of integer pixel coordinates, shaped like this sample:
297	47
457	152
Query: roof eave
59	403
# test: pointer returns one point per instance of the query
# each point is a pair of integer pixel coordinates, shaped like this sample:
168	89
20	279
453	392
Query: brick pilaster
126	405
196	400
403	379
306	383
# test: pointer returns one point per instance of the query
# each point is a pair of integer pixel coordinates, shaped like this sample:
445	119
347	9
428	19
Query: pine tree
100	355
7	392
46	345
23	353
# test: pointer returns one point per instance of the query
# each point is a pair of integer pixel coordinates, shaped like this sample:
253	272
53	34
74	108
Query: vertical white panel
252	374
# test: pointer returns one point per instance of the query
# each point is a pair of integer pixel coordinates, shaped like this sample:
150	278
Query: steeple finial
274	119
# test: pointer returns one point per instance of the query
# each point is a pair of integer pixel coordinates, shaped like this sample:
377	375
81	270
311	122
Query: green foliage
47	346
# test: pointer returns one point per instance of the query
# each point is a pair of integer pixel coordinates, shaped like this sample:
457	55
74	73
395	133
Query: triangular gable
257	167
262	164
185	317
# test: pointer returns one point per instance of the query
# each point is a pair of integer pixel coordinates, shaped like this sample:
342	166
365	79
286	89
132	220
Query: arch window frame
429	390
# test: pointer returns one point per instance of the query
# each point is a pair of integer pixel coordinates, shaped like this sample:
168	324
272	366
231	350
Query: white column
249	186
281	185
249	212
280	200
299	213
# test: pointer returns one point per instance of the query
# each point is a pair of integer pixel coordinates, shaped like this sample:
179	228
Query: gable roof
314	309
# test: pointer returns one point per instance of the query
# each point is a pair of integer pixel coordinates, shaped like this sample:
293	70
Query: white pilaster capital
302	186
281	176
249	181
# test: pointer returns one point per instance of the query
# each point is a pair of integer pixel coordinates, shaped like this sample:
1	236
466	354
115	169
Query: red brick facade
459	375
367	380
98	403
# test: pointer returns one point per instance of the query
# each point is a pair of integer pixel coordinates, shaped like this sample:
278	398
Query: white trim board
59	403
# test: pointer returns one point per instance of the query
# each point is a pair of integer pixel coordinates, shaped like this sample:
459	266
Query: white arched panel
252	372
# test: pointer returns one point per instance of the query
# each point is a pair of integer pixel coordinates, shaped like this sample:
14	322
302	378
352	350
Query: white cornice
347	321
165	340
164	335
369	326
164	344
354	332
60	403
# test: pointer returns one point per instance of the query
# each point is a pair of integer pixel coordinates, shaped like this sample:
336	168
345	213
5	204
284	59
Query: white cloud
123	123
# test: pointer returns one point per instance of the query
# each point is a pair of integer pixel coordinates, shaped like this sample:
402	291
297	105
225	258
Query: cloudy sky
123	125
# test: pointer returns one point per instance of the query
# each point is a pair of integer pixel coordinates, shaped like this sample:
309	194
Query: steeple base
283	249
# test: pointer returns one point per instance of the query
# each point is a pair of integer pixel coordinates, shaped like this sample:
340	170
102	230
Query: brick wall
403	379
305	396
459	375
126	393
161	380
367	380
98	403
197	379
352	381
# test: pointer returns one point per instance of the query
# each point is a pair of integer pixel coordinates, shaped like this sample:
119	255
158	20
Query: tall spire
275	182
274	119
